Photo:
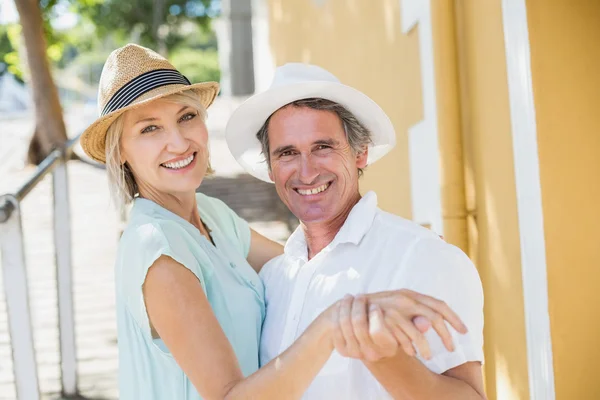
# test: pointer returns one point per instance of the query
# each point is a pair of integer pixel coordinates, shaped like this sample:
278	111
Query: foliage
197	65
9	56
181	31
151	23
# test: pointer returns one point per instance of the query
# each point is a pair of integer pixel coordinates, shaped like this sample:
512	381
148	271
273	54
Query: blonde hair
121	180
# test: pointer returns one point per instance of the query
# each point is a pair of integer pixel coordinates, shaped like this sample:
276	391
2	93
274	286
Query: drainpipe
452	169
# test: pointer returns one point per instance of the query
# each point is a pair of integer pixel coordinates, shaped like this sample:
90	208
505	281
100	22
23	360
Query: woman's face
165	144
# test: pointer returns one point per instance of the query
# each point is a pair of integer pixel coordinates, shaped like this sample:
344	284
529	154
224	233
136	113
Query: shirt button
252	283
232	265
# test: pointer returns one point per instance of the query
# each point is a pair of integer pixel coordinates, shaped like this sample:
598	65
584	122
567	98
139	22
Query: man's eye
322	148
188	116
149	129
287	153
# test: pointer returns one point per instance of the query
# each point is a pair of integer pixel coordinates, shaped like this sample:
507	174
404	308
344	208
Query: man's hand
373	326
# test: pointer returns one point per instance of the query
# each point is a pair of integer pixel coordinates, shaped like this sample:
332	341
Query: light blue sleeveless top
146	368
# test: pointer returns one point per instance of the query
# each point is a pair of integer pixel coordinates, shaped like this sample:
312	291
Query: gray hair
358	136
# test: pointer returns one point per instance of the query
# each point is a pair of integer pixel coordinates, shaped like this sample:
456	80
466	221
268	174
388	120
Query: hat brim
249	117
93	139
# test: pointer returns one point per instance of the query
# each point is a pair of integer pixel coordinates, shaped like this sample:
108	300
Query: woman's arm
182	316
262	250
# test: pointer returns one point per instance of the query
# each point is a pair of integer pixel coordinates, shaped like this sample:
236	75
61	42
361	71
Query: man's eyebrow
328	142
282	149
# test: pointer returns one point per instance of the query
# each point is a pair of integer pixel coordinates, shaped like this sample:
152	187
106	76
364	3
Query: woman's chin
178	188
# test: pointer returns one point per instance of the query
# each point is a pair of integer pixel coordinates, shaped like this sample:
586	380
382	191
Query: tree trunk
50	131
158	18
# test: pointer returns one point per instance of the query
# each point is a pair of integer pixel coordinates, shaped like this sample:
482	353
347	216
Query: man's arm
444	272
262	250
406	378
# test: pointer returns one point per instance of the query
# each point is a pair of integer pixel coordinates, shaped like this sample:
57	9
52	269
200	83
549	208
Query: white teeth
313	191
180	164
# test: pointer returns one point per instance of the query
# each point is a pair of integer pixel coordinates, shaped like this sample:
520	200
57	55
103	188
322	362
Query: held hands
373	326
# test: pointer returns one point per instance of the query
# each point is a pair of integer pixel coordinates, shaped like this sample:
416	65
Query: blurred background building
496	109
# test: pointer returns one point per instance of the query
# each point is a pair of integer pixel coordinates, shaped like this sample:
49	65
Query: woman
189	301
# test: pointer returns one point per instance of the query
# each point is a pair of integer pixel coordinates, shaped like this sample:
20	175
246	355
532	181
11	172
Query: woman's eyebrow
148	119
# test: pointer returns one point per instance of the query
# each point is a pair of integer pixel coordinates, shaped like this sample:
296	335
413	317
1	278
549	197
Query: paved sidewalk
95	228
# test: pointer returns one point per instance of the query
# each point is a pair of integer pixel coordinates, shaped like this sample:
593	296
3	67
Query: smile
180	164
316	190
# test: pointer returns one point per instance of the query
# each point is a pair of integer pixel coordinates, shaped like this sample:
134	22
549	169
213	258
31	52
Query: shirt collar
355	227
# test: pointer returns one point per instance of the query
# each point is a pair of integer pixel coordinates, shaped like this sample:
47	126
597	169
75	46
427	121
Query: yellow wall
491	196
362	44
565	59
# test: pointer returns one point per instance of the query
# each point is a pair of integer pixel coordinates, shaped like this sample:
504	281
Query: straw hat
297	81
133	76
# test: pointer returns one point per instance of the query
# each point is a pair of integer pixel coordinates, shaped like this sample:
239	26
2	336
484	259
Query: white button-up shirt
373	251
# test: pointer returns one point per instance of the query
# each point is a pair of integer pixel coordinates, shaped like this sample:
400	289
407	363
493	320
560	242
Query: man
312	136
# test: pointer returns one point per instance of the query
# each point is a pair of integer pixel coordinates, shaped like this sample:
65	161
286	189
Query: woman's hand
373	326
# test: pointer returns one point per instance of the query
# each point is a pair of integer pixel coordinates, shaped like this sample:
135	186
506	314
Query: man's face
314	168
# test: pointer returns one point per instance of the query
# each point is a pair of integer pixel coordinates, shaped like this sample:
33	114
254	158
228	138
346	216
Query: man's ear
362	158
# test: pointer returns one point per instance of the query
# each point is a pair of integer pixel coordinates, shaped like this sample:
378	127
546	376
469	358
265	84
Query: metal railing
15	278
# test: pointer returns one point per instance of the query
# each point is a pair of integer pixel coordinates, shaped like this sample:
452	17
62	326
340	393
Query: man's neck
319	234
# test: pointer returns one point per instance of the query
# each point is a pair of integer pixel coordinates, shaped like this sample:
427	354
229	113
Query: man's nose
308	171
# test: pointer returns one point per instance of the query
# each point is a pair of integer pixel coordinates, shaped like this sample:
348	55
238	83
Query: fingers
360	325
402	339
413	304
338	337
438	324
399	317
422	323
440	307
345	323
380	333
422	307
404	322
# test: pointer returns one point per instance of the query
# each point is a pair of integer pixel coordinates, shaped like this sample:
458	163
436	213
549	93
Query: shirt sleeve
140	248
232	225
438	269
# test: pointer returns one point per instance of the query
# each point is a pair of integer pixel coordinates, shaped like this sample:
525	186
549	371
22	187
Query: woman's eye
149	129
188	116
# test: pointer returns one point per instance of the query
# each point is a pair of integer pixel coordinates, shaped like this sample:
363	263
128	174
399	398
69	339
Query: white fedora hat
293	82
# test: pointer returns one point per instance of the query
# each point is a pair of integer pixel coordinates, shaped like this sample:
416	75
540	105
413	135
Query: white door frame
264	64
529	200
423	147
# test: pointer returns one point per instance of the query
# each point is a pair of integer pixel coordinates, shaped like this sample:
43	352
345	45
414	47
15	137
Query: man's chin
312	217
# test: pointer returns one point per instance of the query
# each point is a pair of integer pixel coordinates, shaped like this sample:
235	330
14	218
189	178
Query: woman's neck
183	205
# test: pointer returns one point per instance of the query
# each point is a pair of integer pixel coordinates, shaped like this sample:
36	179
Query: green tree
196	64
103	23
152	23
50	129
9	56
